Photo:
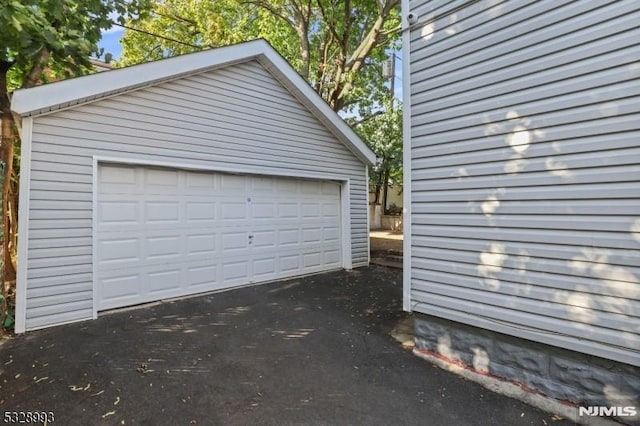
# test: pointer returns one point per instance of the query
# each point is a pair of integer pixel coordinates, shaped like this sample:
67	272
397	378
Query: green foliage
8	319
60	33
383	134
195	24
337	45
345	57
40	40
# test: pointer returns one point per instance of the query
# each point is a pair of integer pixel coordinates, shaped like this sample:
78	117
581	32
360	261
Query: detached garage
191	174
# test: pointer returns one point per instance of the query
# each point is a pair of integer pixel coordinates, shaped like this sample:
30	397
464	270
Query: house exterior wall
534	369
237	117
523	171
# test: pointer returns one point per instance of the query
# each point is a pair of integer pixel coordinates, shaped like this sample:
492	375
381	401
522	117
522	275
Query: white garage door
165	233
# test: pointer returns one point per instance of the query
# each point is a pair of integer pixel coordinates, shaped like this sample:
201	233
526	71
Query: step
386	263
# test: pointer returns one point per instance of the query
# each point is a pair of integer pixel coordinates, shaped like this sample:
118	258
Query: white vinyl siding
237	117
525	169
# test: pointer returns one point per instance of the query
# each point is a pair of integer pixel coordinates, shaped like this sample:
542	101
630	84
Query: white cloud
114	29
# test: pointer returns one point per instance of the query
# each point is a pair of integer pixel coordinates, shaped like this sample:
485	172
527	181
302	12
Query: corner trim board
23	226
406	160
345	202
366	180
94	239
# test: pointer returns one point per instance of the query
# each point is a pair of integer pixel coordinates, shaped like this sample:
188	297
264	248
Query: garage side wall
525	187
237	117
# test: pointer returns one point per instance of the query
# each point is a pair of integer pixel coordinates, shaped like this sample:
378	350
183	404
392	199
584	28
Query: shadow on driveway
313	350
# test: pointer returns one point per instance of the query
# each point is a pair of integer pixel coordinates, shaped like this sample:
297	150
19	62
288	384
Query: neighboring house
100	66
522	193
186	175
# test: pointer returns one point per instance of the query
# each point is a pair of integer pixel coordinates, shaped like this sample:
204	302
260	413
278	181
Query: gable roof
66	93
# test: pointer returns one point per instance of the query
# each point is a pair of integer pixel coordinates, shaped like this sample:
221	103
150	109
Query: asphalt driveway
314	350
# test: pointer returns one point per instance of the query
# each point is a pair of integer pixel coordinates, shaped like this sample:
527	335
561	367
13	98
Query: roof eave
67	93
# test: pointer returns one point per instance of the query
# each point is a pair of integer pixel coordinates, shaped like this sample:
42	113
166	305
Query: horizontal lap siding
237	117
525	167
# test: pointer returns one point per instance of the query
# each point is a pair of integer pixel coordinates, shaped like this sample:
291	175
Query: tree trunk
377	192
13	211
385	189
9	272
6	155
301	29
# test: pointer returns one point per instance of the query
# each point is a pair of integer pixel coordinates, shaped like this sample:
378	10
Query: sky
111	41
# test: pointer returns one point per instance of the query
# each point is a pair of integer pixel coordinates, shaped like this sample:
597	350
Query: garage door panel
331	234
288	237
166	212
264	239
203	244
234	271
233	183
118	213
200	211
311	210
330	188
115	179
264	268
332	257
233	211
263	210
288	210
312	260
120	290
311	235
165	281
263	184
119	252
201	183
163	248
284	186
330	210
289	263
202	278
234	241
161	181
167	233
311	187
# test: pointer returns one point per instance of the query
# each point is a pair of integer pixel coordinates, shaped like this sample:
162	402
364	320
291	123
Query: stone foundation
571	378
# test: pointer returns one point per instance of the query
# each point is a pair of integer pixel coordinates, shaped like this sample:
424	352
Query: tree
383	133
341	45
176	27
336	45
40	40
